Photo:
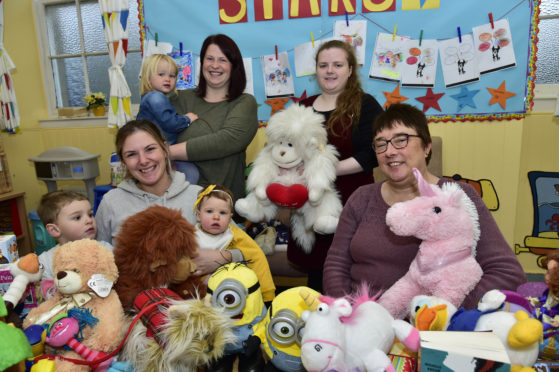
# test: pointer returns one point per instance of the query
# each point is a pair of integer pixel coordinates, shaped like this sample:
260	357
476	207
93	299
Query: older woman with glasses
364	250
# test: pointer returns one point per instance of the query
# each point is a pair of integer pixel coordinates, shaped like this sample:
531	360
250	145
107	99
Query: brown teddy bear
154	249
84	272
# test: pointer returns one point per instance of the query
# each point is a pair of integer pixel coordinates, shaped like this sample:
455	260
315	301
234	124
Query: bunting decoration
114	15
9	118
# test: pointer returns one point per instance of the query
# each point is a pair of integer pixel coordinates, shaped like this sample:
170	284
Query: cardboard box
462	352
8	247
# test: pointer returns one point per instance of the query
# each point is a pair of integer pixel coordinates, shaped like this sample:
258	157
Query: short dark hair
407	115
238	79
52	203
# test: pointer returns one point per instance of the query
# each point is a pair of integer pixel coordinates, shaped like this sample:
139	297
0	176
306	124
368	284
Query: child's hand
192	116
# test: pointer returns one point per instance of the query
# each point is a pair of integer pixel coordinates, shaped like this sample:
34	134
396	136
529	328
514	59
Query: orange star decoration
393	97
500	95
277	104
430	100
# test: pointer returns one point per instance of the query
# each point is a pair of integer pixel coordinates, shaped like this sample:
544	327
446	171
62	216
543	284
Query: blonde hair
149	68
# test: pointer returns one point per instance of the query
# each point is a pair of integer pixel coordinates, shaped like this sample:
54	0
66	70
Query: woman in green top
227	117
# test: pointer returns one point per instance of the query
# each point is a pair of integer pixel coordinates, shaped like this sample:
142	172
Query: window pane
94	36
62	29
98	71
133	26
547	64
549	7
69	83
131	72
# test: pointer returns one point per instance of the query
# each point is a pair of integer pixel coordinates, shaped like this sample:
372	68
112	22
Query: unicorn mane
467	204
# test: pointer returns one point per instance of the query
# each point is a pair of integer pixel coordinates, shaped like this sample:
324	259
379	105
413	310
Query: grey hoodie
128	199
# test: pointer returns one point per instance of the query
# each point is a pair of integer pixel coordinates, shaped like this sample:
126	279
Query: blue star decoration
465	97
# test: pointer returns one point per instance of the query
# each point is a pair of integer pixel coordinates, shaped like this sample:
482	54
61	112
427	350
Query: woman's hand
178	151
208	261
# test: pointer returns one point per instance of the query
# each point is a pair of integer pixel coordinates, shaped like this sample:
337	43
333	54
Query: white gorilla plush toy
296	169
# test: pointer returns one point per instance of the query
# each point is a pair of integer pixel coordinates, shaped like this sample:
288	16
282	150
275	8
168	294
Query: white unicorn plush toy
446	220
344	338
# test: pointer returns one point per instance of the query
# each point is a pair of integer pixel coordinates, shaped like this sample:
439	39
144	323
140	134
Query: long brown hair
348	103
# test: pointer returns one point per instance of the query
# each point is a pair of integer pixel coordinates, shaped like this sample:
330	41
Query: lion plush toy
154	249
296	169
84	271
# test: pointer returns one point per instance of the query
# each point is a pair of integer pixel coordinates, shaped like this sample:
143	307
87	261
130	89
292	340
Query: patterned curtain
114	14
9	120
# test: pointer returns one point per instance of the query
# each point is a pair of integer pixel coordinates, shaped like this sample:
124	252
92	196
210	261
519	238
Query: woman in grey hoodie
149	180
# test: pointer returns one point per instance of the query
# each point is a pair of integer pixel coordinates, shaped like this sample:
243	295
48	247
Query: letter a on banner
232	11
304	8
267	10
370	6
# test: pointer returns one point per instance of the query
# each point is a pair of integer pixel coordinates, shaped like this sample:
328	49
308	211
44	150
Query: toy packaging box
29	298
8	247
461	351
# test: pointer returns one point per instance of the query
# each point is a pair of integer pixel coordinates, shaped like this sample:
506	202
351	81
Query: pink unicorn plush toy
445	266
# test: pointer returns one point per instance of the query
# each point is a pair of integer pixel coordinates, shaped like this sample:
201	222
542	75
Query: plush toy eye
322	308
284	329
437	210
228	299
290	144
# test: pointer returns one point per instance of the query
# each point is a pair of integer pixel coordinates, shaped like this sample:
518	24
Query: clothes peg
346	19
180	49
277	53
420	37
394	34
312	40
459	35
491	20
156	38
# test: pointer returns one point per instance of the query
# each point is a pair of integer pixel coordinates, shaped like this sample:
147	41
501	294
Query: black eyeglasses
399	141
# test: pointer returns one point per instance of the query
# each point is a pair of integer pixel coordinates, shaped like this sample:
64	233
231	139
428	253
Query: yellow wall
500	151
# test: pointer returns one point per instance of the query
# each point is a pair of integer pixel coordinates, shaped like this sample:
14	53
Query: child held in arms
214	230
158	79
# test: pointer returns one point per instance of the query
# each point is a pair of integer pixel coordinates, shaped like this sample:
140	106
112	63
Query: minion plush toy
235	289
282	328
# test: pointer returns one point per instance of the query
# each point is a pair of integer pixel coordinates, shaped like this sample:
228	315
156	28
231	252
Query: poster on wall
355	34
494	46
278	76
419	69
388	57
458	61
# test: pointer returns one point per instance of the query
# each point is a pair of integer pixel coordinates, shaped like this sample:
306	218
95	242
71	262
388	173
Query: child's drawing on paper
420	63
355	34
305	63
185	78
458	60
278	78
304	59
388	57
494	46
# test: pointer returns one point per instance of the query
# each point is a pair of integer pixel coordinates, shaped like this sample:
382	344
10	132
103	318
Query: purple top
365	250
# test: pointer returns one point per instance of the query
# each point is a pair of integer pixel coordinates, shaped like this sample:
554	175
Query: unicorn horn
310	299
424	188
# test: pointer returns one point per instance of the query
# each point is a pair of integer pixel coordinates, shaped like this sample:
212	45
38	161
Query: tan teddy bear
84	272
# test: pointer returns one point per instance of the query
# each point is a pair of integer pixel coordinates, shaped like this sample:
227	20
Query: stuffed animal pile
84	272
296	169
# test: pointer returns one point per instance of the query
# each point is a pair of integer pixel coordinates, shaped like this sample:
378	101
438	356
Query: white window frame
53	120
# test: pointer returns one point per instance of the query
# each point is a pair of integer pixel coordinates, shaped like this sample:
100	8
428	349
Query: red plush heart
292	197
